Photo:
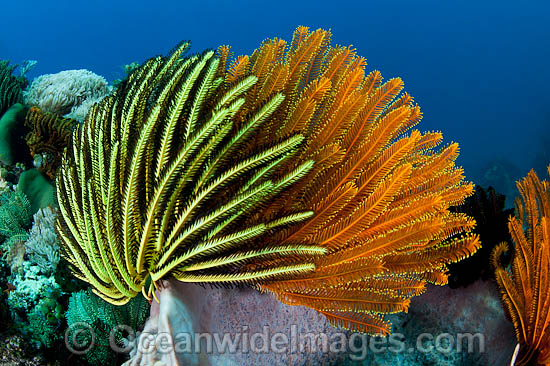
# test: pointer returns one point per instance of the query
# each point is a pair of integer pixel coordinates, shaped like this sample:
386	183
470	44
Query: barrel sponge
62	92
37	188
12	130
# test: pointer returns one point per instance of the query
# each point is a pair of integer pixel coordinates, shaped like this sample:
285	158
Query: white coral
79	112
65	91
42	247
4	185
29	287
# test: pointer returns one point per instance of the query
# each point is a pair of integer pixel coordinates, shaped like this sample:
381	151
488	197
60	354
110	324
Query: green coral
43	331
37	188
43	323
14	213
12	132
15	217
12	112
128	69
103	318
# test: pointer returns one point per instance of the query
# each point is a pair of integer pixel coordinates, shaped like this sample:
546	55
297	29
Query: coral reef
4	290
34	300
34	297
290	175
49	135
441	310
487	208
64	92
525	285
14	351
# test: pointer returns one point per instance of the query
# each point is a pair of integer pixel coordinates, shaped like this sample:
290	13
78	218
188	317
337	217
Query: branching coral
40	321
42	246
290	170
525	286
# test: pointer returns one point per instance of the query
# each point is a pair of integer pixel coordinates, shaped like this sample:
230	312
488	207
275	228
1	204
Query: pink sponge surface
264	331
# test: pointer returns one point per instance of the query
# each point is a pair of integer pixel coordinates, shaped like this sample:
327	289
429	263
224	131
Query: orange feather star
380	190
525	287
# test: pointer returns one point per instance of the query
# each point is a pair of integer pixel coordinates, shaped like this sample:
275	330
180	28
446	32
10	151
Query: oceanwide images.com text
80	339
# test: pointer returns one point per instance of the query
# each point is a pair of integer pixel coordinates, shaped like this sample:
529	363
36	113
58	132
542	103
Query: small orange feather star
525	286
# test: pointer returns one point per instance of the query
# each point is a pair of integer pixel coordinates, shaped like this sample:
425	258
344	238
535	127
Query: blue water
479	69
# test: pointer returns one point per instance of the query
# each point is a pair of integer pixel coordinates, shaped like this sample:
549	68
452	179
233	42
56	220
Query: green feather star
160	181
